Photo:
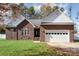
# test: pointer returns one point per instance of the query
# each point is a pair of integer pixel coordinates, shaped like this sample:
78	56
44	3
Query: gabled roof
15	22
54	18
62	18
35	22
58	19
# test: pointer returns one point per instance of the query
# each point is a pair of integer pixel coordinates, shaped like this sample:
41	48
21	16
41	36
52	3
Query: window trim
25	31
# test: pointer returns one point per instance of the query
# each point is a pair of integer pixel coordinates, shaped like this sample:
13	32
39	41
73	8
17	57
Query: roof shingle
56	17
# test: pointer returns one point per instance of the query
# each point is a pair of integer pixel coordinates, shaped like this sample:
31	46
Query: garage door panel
57	36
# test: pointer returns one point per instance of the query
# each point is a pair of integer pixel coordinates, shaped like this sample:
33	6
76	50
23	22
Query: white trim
57	23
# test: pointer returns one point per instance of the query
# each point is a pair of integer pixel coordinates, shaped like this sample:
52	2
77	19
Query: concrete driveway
64	45
71	48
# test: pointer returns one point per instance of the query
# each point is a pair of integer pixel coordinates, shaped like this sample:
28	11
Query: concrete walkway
64	45
36	41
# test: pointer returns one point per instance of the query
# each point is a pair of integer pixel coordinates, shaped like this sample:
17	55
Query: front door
36	33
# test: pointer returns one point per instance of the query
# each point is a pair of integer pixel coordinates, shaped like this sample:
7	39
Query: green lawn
26	48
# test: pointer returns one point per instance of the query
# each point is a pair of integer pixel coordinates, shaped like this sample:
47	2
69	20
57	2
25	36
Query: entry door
57	36
36	32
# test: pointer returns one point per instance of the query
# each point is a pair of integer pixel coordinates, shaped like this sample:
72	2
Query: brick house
57	27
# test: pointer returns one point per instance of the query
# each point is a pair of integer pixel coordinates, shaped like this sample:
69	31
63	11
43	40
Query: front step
36	38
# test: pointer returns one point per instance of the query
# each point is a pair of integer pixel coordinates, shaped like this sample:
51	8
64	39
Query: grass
26	48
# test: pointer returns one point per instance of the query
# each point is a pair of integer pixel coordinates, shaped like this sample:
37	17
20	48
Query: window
66	33
22	31
57	33
60	33
25	31
63	33
49	33
52	33
46	33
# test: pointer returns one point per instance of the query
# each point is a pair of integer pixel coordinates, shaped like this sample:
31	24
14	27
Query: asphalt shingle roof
56	17
15	22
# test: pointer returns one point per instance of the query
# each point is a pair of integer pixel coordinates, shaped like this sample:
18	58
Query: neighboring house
57	27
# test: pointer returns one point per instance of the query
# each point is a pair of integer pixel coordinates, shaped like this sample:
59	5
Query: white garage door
57	35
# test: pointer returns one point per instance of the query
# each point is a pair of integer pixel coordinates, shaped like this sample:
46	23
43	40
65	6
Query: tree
75	29
31	11
45	10
77	15
23	8
69	10
62	9
2	29
55	8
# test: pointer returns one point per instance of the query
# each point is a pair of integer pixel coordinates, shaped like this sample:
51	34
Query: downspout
17	34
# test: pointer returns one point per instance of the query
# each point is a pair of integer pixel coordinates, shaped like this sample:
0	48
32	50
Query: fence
2	36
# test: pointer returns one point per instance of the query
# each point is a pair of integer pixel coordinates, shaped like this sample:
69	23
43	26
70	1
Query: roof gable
62	18
35	22
15	22
52	16
56	17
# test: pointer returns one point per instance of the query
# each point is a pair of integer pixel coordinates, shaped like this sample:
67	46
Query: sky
75	9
